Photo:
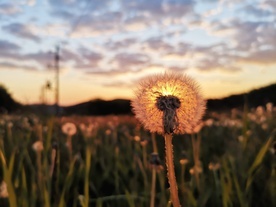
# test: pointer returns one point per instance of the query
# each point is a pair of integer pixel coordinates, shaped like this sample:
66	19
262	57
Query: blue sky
228	46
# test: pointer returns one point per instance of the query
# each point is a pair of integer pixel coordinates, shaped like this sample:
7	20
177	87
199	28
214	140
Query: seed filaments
168	104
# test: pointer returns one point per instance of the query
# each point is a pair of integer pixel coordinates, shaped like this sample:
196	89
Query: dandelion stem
39	175
170	169
69	146
182	179
196	144
53	159
153	184
86	178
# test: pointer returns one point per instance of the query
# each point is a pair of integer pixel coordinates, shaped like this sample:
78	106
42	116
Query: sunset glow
107	46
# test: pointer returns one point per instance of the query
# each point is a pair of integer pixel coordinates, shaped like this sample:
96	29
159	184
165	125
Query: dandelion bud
196	169
155	161
184	158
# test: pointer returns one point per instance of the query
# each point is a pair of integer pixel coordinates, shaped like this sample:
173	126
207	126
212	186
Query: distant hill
253	98
99	107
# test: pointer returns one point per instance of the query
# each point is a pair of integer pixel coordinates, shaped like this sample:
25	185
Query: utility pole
57	58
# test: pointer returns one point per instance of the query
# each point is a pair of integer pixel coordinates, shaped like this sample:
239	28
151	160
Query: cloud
136	23
9	50
9	9
95	25
211	64
106	72
269	4
68	55
264	57
46	58
119	84
159	9
177	68
157	43
80	5
41	58
63	14
9	65
7	47
121	44
94	18
88	59
21	31
132	35
130	60
178	8
256	11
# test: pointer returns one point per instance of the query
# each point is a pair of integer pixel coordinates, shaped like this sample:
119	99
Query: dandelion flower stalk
153	184
153	175
170	169
196	150
69	129
156	166
53	159
169	104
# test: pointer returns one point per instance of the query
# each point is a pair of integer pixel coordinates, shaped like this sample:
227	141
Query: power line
57	58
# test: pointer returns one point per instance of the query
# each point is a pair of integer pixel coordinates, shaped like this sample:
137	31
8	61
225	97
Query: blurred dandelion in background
3	190
38	146
214	166
69	128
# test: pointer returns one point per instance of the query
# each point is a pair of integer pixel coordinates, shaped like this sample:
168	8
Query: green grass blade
258	160
8	179
129	199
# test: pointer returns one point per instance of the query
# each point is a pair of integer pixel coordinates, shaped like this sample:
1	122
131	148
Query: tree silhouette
7	103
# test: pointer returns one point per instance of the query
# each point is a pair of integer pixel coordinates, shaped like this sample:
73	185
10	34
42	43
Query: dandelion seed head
168	103
69	128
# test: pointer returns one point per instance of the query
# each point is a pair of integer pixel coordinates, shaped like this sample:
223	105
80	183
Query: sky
107	46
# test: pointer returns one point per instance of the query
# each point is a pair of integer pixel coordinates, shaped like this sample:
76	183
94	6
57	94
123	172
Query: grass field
108	161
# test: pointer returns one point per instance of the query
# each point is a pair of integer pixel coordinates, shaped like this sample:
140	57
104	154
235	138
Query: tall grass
110	168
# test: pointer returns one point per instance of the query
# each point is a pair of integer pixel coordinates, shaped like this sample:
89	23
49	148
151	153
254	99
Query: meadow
112	161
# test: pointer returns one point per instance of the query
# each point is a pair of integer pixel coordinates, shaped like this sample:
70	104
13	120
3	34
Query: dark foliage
7	103
258	97
100	107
